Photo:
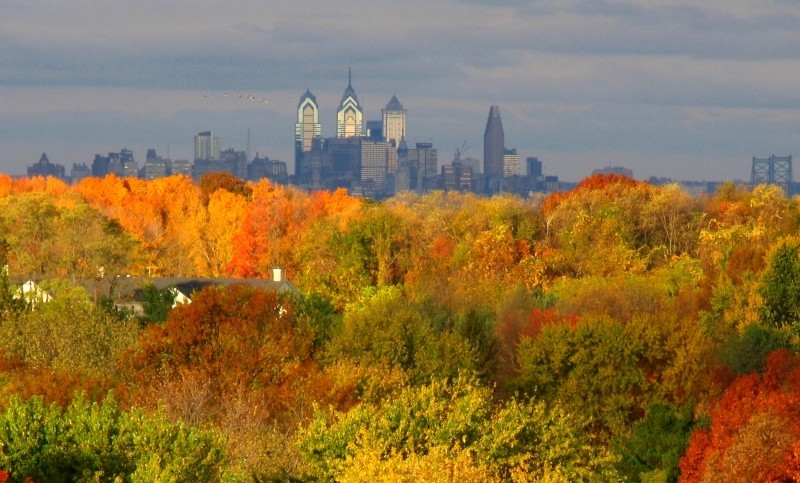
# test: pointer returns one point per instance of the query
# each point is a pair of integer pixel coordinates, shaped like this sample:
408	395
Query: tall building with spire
349	115
493	145
307	130
394	120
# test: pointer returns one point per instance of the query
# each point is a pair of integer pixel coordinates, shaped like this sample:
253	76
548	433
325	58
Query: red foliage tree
229	345
755	428
595	182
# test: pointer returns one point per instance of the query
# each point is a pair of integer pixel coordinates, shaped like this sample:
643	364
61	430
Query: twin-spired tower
349	123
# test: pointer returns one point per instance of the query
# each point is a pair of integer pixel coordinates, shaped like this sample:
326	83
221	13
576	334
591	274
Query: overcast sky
674	88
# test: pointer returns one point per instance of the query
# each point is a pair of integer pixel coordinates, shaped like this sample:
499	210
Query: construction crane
460	151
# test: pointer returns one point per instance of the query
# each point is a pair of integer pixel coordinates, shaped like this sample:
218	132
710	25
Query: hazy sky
675	88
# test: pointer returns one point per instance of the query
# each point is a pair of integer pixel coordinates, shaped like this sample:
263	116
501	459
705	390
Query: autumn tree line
617	332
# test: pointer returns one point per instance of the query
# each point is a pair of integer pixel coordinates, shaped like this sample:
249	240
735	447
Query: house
32	293
127	292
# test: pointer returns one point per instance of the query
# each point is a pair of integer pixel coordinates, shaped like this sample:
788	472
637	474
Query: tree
156	304
437	425
384	329
91	442
68	334
746	353
656	443
210	183
597	369
229	343
780	287
754	428
29	223
225	213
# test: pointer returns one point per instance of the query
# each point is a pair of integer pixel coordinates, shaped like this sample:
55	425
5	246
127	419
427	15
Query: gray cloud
575	79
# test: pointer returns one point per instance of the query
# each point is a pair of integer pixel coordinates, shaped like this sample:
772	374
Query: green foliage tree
654	447
156	304
780	287
68	333
99	442
520	441
596	369
29	226
746	353
385	329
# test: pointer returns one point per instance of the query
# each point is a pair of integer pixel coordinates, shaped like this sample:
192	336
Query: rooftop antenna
248	143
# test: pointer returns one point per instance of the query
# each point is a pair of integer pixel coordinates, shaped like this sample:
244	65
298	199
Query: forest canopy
617	331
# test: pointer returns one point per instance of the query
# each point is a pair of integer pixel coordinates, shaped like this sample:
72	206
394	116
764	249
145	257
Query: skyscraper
206	146
394	120
45	168
374	157
510	163
349	116
307	129
493	145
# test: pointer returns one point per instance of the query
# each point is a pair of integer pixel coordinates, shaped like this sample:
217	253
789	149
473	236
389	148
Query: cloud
572	77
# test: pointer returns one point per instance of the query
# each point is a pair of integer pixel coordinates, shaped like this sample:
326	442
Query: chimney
277	275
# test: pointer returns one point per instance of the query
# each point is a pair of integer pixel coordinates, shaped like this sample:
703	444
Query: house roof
130	288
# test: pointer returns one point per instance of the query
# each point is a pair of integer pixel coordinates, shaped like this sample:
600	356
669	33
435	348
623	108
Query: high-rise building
457	176
373	166
154	166
306	130
403	172
100	166
121	164
206	146
45	168
493	145
349	115
394	120
510	163
182	167
423	166
236	161
534	167
79	172
261	168
375	130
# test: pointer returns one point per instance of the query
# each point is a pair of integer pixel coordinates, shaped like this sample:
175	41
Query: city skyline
665	88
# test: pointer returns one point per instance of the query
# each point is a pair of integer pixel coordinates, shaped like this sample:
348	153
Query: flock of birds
247	97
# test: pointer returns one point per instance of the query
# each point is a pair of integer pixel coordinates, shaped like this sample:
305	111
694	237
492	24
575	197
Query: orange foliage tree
271	228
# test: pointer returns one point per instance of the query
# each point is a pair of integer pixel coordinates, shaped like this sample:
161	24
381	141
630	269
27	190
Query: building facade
307	130
423	167
261	168
206	146
493	145
394	120
510	163
373	167
349	115
45	168
155	166
80	171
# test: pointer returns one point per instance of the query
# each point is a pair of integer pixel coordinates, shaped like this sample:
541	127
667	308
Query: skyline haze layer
667	88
